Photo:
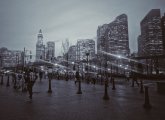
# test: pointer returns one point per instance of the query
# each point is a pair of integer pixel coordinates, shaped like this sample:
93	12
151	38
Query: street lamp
67	67
17	62
87	54
118	58
94	68
106	97
1	59
100	72
79	81
50	78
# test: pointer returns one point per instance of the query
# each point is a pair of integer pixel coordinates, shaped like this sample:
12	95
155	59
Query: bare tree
65	46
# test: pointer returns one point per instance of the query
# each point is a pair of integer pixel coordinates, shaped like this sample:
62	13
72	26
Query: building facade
72	53
50	50
85	46
40	47
151	34
10	58
140	45
163	31
117	36
113	37
100	37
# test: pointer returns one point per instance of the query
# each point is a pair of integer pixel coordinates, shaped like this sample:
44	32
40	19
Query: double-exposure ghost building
113	41
151	42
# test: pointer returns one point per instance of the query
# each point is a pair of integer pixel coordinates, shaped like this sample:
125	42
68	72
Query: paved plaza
125	103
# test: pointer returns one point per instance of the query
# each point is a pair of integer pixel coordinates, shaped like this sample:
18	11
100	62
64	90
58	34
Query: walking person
40	75
134	79
30	82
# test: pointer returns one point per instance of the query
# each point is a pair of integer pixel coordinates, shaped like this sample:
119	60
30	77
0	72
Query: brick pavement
64	104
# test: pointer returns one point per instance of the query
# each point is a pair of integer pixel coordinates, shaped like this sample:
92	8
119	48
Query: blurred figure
40	75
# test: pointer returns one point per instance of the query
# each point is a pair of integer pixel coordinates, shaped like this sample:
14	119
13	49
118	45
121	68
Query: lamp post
50	78
106	97
26	57
94	68
17	60
82	71
87	54
73	70
111	70
118	58
1	59
101	73
79	81
1	73
67	67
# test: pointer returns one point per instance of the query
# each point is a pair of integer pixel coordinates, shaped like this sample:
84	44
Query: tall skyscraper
163	31
40	47
140	46
50	51
117	35
151	34
113	37
100	37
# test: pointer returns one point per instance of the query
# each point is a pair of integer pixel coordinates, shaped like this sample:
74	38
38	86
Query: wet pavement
125	103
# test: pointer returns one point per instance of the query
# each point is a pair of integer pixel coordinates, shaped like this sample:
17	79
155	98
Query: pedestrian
40	75
75	81
127	78
134	79
31	82
94	80
15	80
77	76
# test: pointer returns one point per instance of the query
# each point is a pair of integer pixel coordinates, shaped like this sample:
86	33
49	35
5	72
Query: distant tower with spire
40	47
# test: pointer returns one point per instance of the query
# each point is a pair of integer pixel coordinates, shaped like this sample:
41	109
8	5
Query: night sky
20	20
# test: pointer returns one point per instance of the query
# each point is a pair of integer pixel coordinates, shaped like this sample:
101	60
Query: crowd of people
25	79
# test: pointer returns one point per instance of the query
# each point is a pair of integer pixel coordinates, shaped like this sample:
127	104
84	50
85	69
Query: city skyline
74	19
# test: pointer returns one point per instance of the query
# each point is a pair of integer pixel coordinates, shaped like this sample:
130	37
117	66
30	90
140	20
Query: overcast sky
20	20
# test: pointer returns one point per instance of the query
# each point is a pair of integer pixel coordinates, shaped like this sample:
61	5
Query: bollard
13	78
50	76
113	84
106	97
49	90
15	82
147	104
7	85
79	82
132	82
141	87
2	80
30	90
79	87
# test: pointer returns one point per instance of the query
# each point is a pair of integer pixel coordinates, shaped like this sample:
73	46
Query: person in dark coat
40	75
32	77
